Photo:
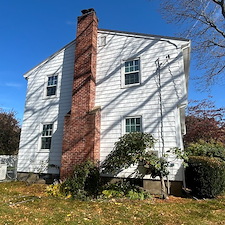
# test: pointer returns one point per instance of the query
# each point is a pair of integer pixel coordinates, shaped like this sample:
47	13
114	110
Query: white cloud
14	85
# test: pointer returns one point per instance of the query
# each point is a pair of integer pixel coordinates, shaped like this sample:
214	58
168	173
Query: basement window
46	136
133	124
52	85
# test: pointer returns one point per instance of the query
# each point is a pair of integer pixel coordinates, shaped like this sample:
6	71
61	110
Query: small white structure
3	170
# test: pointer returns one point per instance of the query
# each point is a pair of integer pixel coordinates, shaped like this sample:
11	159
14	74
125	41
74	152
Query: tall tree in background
204	122
9	133
202	21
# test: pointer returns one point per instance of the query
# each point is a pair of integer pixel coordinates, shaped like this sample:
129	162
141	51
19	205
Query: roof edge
143	34
26	75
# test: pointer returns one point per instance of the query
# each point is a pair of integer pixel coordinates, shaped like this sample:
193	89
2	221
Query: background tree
9	133
204	122
202	21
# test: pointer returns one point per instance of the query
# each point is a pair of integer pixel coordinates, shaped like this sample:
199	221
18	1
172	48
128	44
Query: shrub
205	176
124	189
84	182
127	151
209	149
54	190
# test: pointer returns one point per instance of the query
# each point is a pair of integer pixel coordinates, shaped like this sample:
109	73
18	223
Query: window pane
51	90
133	129
46	143
136	78
49	81
138	121
127	79
128	129
131	66
138	128
131	78
55	80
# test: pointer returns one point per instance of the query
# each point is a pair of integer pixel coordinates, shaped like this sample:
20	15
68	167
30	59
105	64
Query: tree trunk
163	188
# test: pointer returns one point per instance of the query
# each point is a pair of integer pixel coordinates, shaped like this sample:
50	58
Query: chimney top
86	11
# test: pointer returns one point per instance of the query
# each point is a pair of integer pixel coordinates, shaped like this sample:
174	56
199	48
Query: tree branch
213	25
222	5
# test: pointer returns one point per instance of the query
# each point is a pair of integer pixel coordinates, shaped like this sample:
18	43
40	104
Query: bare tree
202	21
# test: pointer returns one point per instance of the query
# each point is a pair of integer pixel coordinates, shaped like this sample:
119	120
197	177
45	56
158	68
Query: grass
22	204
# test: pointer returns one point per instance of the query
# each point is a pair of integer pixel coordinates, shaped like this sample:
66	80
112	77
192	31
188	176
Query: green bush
84	182
124	189
205	176
209	149
127	151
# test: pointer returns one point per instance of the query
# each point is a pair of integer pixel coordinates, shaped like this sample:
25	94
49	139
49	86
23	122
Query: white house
120	82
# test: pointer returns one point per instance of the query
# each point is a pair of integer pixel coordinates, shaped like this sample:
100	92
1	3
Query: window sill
50	97
131	85
44	151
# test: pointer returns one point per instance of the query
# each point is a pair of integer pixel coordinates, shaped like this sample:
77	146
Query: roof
26	75
146	35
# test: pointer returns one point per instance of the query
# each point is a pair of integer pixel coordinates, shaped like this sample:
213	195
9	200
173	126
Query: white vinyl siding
119	103
41	109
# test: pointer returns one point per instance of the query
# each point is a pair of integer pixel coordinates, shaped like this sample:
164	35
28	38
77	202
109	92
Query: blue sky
32	30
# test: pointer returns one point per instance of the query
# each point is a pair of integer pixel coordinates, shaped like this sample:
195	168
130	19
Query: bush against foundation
84	182
205	176
124	189
129	150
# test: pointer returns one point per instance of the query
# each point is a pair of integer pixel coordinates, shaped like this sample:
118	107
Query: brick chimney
81	139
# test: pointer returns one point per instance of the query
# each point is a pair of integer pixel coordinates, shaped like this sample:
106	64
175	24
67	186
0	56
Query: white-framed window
133	124
46	136
52	85
132	72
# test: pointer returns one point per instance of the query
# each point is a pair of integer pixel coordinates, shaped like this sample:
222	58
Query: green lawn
21	204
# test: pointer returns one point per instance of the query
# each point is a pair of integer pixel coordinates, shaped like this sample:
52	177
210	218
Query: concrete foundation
37	178
154	187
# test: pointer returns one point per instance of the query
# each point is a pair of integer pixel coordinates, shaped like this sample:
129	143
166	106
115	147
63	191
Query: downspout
186	59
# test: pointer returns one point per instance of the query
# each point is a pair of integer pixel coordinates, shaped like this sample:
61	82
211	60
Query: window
46	136
133	124
51	86
132	70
